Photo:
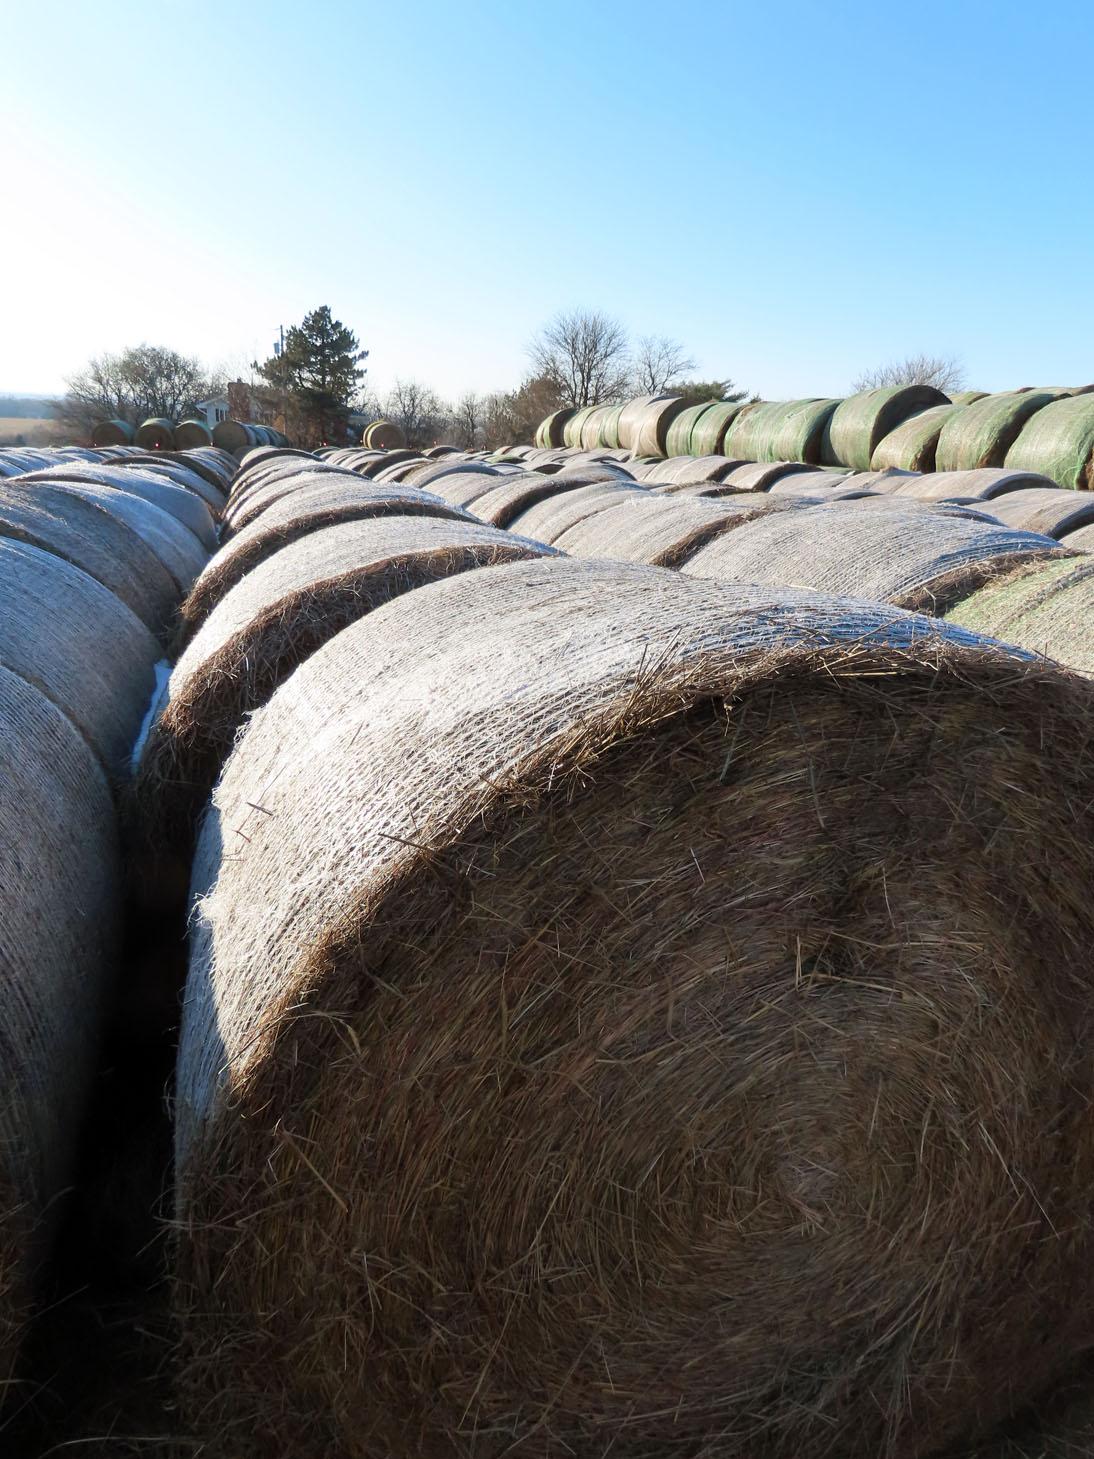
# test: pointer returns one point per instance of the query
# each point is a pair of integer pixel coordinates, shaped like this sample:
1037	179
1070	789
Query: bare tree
658	363
468	420
586	355
418	410
139	383
944	372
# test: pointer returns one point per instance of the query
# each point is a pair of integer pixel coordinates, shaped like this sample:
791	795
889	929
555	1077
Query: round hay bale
590	427
552	431
503	503
58	520
232	436
463	488
982	432
860	423
396	472
1081	539
1043	509
966	397
273	486
573	427
981	485
700	469
912	446
80	645
112	433
661	531
175	468
651	433
1058	442
678	438
1045	607
548	519
749	430
920	560
809	483
594	471
630	419
665	469
156	434
322	505
879	502
433	471
383	435
263	629
877	480
760	475
179	503
709	433
609	428
58	945
372	466
191	433
478	1137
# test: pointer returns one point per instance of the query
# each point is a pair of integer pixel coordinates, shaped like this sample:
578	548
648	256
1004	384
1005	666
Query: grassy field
31	431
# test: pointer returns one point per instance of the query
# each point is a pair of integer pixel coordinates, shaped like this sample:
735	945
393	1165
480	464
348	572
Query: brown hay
673	1041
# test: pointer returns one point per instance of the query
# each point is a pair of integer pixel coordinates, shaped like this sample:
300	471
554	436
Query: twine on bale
922	560
979	485
860	423
1053	511
983	431
269	485
614	1042
1059	443
760	475
503	503
183	505
1045	607
548	519
661	531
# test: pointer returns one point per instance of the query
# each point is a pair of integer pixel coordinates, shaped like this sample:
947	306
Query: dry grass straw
177	502
922	560
660	531
1059	442
1045	607
656	1023
980	485
760	475
270	484
860	423
1053	511
59	863
982	432
548	519
913	445
334	499
504	502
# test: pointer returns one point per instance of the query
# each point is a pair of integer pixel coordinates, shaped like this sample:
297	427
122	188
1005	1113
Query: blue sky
794	191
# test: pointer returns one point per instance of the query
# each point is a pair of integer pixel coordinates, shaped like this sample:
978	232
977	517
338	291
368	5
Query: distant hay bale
112	433
183	505
551	432
665	469
58	519
264	628
982	432
546	520
709	432
860	423
190	433
58	944
982	485
630	420
651	433
383	435
1043	509
785	430
913	445
155	434
690	978
1045	607
877	480
435	471
395	472
921	560
589	471
80	645
660	531
1059	442
373	465
965	397
233	436
337	499
760	475
264	489
573	427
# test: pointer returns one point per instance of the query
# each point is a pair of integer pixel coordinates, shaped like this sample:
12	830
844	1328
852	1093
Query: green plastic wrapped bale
795	431
983	432
708	436
678	440
1059	442
112	433
157	434
609	427
912	445
966	397
749	429
590	429
571	433
861	422
1047	608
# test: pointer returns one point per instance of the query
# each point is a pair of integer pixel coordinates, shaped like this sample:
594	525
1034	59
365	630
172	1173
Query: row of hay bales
97	549
629	1011
914	428
160	434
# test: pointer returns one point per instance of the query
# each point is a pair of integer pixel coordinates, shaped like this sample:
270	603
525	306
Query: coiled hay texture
592	425
269	483
90	538
1058	1426
1047	608
809	483
661	531
980	485
644	1021
1059	443
188	509
1055	512
914	560
267	625
788	430
982	432
60	876
550	518
913	445
80	645
322	505
861	422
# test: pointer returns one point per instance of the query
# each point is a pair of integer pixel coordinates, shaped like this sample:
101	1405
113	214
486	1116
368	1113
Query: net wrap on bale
1059	442
861	422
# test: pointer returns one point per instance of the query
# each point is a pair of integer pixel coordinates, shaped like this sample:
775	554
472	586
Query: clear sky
792	190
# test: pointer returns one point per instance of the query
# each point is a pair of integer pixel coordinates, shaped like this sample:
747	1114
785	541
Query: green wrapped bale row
1046	607
983	432
913	444
708	436
678	440
861	422
1058	441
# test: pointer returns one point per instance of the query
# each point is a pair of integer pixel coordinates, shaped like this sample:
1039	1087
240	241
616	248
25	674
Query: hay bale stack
80	645
661	531
1055	512
572	429
187	508
59	520
700	470
263	629
913	446
58	940
982	432
373	465
651	433
918	560
810	483
789	430
464	487
481	1145
1045	607
112	433
760	475
630	420
186	469
708	436
294	516
748	430
394	472
155	434
552	430
966	397
860	423
1059	442
548	519
192	433
982	485
273	485
678	438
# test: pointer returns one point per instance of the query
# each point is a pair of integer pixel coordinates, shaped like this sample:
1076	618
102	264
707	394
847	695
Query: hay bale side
572	429
1045	607
760	475
156	434
651	433
189	509
918	560
273	485
80	645
708	436
1055	512
504	503
966	397
678	438
112	433
700	469
191	433
660	531
982	432
58	941
748	430
982	485
860	423
552	431
913	446
383	435
630	419
549	518
232	436
436	1016
1059	443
